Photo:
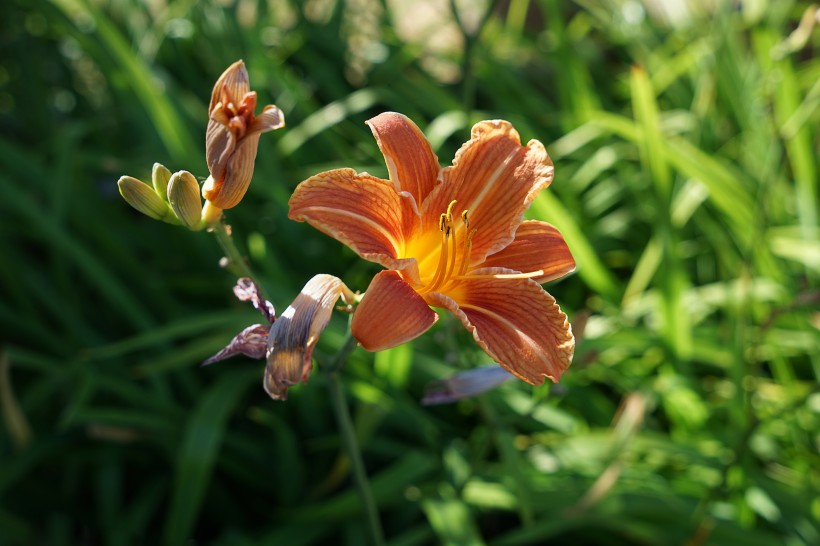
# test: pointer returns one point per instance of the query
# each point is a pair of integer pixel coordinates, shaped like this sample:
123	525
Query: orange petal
390	313
295	333
517	323
412	165
537	246
495	179
228	192
271	118
361	211
220	144
234	82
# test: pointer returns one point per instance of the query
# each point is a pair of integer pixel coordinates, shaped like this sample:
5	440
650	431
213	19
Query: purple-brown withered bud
232	138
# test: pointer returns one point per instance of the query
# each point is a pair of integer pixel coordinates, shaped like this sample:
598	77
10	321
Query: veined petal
537	246
517	323
412	165
229	191
220	144
390	313
271	118
295	333
495	179
361	211
234	81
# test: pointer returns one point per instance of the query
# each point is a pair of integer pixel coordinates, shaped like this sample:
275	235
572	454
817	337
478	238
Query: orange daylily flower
452	238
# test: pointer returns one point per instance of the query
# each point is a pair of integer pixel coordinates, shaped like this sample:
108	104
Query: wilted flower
286	342
452	238
232	137
464	384
296	331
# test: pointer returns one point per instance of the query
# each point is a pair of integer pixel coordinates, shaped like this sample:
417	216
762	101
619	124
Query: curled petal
234	82
517	323
220	144
412	165
495	179
360	211
229	191
271	118
538	246
295	333
251	342
390	313
464	384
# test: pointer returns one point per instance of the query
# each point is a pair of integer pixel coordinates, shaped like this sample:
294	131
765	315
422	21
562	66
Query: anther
464	218
450	210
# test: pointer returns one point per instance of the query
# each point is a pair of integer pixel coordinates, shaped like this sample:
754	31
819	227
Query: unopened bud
232	137
183	196
142	197
160	175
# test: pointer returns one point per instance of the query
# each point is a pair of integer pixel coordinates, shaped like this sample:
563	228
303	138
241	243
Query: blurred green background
685	142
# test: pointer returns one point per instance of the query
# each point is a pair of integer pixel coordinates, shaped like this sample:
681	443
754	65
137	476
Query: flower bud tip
142	197
183	196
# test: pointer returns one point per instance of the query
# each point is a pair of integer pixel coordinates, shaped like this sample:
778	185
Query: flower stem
235	262
351	443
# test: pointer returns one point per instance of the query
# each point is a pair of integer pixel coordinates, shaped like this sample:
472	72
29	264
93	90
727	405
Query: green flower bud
183	196
142	197
160	175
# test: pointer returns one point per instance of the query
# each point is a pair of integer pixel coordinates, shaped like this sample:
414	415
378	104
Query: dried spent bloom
286	342
232	137
452	238
296	331
464	384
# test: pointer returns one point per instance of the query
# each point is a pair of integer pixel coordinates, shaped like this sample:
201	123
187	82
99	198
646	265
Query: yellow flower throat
456	244
448	255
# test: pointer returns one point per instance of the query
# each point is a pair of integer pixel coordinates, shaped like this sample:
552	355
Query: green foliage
686	155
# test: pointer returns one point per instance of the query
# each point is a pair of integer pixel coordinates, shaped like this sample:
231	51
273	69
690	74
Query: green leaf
198	451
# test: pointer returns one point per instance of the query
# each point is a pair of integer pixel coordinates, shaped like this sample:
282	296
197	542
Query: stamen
468	247
451	264
448	257
450	210
442	261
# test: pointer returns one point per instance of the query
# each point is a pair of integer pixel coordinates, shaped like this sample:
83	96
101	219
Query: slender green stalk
351	443
235	261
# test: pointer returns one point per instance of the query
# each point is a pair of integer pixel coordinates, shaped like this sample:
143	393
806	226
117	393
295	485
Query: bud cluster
172	198
231	143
